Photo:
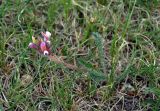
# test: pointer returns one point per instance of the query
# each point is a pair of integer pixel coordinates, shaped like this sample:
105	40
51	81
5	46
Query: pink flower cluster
41	44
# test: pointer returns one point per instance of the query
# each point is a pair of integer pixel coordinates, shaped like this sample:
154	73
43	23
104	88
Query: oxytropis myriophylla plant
42	45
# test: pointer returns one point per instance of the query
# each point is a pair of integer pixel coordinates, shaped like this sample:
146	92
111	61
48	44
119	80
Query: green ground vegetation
116	42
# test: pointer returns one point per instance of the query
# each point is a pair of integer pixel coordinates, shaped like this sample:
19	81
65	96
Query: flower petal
33	46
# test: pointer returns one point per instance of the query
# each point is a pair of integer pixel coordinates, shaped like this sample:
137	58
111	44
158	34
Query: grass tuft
114	45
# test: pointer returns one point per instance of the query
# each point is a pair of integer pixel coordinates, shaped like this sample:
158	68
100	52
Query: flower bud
46	52
43	46
48	34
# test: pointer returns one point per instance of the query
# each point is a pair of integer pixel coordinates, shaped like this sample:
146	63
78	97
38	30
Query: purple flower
33	46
